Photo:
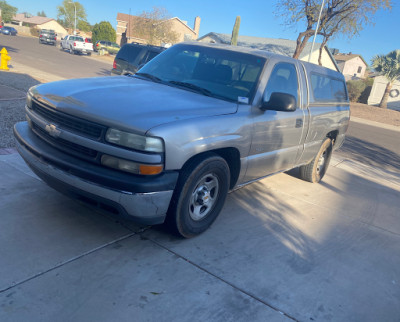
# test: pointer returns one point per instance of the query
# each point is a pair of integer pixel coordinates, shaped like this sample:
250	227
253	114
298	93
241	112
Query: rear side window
128	53
326	88
150	55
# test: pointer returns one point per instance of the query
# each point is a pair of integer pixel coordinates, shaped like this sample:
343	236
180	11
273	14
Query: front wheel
199	195
316	169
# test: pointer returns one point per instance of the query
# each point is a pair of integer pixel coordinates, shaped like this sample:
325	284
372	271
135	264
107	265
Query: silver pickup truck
199	120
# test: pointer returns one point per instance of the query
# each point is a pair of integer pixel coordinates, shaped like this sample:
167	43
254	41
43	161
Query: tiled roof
35	20
346	57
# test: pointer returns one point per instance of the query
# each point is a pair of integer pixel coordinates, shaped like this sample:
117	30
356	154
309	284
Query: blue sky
257	19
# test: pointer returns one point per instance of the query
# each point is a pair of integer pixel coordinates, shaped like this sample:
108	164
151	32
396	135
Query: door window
283	79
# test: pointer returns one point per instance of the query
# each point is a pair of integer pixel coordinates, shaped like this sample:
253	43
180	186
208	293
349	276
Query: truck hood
127	102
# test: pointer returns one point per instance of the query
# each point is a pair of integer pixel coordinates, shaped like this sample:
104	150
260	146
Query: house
126	29
279	46
351	65
39	23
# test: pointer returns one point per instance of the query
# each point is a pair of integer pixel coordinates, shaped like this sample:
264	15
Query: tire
199	195
316	169
71	51
89	54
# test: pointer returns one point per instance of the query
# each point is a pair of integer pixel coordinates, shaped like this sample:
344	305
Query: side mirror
280	102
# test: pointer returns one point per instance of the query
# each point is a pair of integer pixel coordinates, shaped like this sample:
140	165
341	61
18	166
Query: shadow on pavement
9	48
370	154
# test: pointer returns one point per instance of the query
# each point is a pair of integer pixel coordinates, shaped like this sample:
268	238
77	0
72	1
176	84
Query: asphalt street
372	145
51	59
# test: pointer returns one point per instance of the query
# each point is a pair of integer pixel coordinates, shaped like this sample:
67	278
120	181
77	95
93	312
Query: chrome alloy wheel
204	197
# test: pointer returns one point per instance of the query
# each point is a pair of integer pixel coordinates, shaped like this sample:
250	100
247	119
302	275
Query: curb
376	124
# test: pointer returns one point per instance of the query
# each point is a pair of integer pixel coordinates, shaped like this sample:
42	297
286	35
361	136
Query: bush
359	89
34	32
365	93
103	31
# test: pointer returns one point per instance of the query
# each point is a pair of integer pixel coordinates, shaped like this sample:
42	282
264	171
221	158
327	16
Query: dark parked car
11	31
48	36
133	56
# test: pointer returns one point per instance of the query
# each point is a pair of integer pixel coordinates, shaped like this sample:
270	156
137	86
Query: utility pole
316	29
75	17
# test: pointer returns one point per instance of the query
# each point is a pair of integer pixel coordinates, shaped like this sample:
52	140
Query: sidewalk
281	250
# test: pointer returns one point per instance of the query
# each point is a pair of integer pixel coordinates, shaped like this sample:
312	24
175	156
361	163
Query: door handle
299	123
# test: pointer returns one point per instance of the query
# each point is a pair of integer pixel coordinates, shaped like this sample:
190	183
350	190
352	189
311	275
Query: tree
41	14
66	13
83	25
389	66
338	17
103	31
7	11
153	26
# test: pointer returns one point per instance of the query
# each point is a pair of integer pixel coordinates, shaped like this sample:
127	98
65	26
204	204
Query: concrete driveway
282	249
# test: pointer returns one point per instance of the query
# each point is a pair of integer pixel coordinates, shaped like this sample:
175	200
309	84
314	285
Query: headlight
131	166
29	96
134	141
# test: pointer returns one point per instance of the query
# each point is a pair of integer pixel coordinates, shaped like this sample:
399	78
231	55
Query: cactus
235	31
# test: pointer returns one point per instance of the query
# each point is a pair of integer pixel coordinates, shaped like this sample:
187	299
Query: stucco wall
351	68
54	25
378	89
326	60
176	26
182	30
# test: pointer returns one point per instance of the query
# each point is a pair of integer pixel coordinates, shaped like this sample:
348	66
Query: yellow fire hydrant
4	59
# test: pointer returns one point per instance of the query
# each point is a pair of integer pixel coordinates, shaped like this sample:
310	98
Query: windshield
216	72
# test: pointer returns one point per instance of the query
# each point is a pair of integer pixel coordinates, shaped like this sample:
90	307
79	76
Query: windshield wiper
149	76
191	86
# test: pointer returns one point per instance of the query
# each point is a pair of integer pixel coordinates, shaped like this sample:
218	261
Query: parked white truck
197	121
76	45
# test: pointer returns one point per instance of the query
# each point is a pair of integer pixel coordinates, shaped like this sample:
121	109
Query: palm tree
389	66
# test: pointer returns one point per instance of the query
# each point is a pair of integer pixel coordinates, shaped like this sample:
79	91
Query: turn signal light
150	169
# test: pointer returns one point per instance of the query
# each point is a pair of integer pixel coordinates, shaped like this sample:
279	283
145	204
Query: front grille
68	122
66	146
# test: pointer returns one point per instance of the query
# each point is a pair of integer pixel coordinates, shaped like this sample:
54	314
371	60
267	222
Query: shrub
34	32
359	89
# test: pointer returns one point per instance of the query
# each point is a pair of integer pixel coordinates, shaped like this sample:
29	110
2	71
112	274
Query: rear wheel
316	169
199	195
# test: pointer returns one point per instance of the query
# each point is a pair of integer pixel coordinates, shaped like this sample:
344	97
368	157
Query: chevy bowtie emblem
52	130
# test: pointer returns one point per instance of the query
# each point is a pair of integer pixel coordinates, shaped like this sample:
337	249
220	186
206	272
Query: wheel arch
231	156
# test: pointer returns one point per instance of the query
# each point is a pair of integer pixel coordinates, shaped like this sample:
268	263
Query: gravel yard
13	87
373	113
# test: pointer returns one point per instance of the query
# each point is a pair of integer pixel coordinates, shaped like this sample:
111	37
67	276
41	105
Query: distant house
39	23
351	65
279	46
126	29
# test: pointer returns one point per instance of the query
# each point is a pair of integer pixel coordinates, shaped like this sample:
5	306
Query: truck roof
310	67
